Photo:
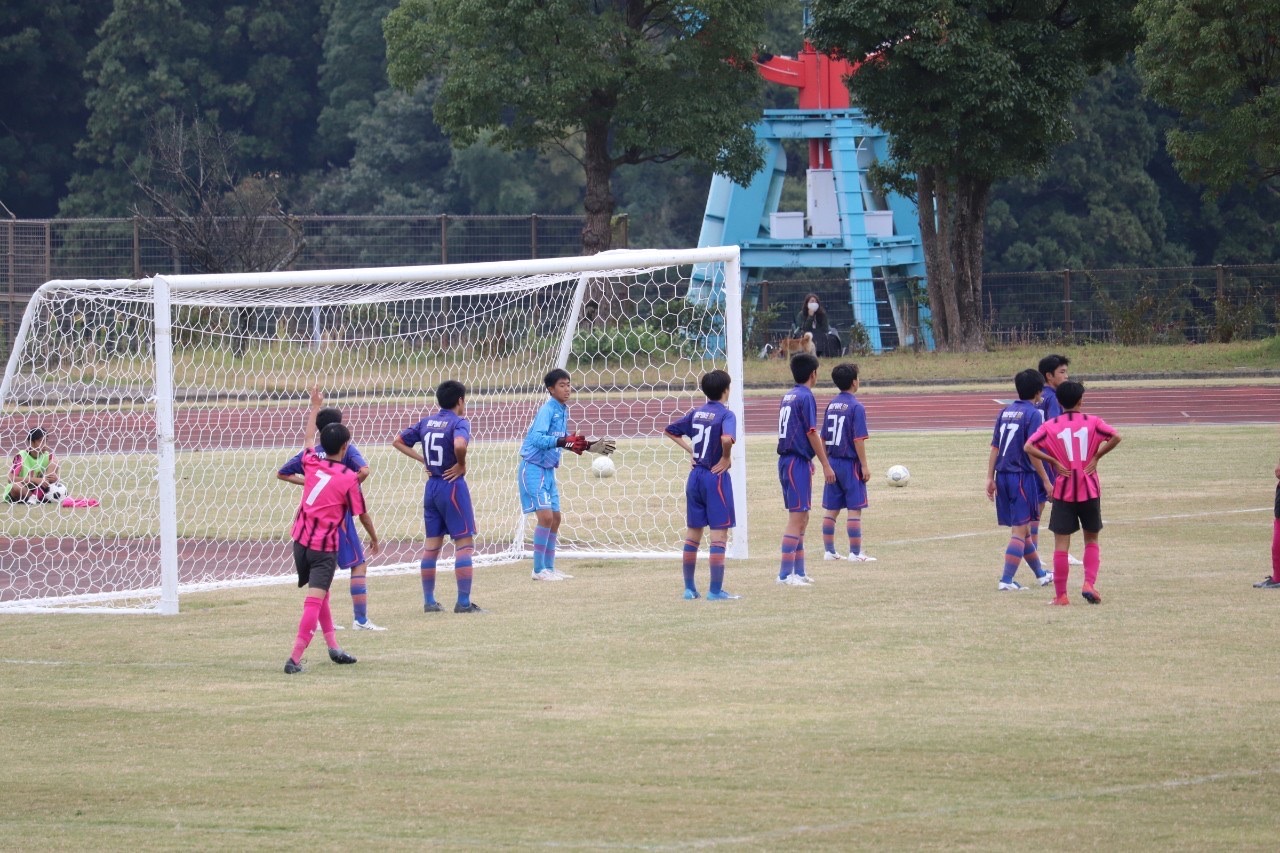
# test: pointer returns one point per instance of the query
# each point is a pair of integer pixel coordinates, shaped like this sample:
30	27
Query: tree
970	92
637	80
43	44
352	73
1217	62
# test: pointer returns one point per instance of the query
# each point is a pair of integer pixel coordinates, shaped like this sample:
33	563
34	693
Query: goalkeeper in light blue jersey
539	459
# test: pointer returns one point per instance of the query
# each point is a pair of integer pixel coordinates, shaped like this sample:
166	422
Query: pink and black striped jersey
1073	439
330	490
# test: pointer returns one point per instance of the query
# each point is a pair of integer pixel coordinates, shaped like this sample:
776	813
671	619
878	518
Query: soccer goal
172	401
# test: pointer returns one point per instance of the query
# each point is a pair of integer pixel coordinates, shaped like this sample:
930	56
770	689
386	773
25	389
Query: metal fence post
1066	301
533	235
444	238
10	275
137	250
1220	304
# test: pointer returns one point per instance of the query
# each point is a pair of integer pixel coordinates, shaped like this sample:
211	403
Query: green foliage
353	70
1239	311
756	325
1216	63
1147	314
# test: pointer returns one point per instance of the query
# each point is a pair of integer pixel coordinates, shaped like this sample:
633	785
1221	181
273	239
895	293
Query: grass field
898	704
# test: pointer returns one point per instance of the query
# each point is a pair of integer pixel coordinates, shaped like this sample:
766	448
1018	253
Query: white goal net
170	402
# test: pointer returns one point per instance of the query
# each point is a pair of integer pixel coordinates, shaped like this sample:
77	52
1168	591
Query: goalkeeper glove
576	443
603	446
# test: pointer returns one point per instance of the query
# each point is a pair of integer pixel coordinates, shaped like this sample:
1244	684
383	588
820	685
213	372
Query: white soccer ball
603	467
55	492
898	475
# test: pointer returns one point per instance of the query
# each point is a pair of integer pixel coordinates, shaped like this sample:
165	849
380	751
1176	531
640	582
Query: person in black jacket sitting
812	317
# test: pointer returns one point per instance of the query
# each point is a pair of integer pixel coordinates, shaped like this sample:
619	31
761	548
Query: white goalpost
171	402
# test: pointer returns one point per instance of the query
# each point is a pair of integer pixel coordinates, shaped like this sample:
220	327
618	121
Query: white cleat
559	575
861	558
1072	561
366	625
545	575
831	555
793	580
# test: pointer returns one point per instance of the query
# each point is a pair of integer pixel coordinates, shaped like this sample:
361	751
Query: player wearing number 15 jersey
844	431
1073	443
1015	480
707	434
446	500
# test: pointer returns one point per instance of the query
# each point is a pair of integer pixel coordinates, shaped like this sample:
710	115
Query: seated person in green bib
33	471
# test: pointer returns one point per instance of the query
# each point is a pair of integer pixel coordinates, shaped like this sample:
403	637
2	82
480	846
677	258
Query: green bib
33	464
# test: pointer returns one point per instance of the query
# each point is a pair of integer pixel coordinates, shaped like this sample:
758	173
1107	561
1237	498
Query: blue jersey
1014	427
797	417
352	459
551	423
845	423
705	426
436	434
1049	405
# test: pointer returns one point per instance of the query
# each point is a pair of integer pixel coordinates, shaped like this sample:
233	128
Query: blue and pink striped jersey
1014	427
330	490
705	426
1073	439
436	434
845	423
797	417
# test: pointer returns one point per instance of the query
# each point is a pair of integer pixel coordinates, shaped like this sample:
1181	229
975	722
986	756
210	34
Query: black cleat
339	656
291	668
433	607
467	608
1266	583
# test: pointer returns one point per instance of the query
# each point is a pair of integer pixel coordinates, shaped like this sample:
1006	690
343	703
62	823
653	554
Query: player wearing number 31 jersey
1073	443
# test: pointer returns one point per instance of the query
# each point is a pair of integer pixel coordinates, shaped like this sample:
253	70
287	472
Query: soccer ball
898	475
603	467
55	492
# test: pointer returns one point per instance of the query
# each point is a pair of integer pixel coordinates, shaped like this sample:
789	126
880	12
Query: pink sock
1092	560
1060	569
306	626
1275	551
326	623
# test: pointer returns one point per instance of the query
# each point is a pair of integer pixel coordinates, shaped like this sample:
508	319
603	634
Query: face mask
813	307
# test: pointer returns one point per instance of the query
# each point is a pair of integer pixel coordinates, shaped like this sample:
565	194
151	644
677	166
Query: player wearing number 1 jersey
707	434
844	431
1014	480
446	500
1073	443
799	442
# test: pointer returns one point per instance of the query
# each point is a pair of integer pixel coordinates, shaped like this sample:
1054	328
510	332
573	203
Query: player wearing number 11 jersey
446	500
707	434
1073	443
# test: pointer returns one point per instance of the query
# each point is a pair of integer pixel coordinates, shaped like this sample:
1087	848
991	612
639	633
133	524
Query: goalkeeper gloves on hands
576	443
603	446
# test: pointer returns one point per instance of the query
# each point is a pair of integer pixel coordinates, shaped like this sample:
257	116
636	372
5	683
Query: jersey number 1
1081	435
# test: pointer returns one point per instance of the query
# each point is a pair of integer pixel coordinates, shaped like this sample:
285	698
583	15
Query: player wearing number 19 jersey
844	431
707	433
446	500
1073	443
1014	482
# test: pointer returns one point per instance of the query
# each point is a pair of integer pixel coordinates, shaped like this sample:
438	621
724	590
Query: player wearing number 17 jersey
707	434
1073	443
1015	480
446	500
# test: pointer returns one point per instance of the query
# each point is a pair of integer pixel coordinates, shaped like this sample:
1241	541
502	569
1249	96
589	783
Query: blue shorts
538	488
796	475
350	548
710	500
1018	498
446	508
848	491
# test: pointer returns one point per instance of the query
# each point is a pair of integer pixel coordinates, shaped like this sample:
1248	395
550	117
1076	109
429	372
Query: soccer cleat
1091	595
432	607
291	668
547	575
795	580
691	595
1010	585
339	656
1045	579
1061	601
861	558
366	625
467	608
807	580
1072	561
559	575
831	555
722	596
1267	583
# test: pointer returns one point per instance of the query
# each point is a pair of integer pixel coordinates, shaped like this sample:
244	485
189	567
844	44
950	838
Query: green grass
898	704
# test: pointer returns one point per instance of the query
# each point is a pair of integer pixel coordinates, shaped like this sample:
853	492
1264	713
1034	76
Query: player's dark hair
328	415
844	375
1050	363
803	366
715	383
1029	383
450	393
35	435
555	376
1069	394
333	437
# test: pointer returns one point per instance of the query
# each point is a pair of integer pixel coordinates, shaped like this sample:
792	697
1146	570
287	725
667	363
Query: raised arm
309	426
